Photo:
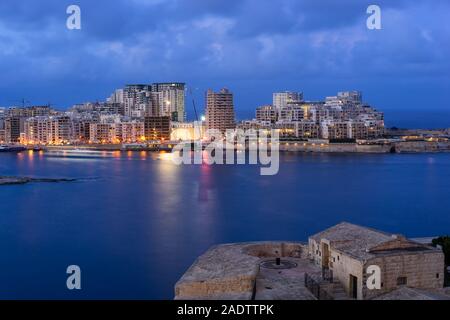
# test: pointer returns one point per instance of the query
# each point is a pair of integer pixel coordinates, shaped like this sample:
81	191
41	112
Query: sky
252	47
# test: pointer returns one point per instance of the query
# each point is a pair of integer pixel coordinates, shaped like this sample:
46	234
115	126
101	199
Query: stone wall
422	146
229	271
420	269
267	250
343	266
333	147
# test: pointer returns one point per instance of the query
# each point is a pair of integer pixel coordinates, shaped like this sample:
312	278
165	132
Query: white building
281	99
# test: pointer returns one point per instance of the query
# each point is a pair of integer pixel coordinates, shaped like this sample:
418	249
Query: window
437	275
338	258
402	281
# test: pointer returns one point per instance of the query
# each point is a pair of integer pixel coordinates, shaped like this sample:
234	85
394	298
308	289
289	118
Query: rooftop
364	243
406	293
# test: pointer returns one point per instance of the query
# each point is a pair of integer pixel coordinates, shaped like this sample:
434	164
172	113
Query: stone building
347	250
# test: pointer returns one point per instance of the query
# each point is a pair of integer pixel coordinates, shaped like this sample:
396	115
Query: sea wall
422	146
335	147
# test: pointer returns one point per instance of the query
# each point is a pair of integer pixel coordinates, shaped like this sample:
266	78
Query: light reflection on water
144	220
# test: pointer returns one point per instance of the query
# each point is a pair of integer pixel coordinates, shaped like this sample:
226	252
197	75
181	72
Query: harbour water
134	221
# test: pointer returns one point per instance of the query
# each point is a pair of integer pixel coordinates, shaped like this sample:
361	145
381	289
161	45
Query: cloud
251	46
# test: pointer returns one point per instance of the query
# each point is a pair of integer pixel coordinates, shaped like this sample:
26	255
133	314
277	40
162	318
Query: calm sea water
135	221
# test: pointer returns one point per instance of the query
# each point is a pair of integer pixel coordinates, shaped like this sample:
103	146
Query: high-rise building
137	100
37	130
220	110
48	130
100	132
117	97
170	100
60	129
157	99
354	97
13	128
281	99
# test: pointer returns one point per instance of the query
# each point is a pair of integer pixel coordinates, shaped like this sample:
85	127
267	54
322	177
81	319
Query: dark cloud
252	46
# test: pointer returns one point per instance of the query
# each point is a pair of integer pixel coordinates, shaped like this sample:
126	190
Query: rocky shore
25	180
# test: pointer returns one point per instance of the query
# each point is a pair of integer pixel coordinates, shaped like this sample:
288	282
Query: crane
193	102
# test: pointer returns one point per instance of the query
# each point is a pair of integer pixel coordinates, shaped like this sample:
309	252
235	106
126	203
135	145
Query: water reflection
146	219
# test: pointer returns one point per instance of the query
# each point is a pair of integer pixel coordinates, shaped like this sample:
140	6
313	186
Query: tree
444	242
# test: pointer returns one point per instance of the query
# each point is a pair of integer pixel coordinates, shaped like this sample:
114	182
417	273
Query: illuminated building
157	128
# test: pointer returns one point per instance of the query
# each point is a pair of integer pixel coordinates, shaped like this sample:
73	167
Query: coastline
302	147
24	180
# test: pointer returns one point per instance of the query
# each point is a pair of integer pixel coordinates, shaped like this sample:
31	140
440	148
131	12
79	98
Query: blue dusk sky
253	47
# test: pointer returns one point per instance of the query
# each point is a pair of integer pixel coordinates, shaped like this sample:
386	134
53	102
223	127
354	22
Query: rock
24	180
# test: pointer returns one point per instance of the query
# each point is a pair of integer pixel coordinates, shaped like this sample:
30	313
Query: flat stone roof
232	271
406	293
364	243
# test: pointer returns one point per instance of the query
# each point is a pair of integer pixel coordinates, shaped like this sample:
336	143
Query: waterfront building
292	112
48	130
266	114
281	99
187	131
307	130
157	99
347	250
81	130
132	131
2	129
101	133
339	117
254	125
37	130
137	100
13	128
220	110
157	128
169	100
336	130
60	129
286	130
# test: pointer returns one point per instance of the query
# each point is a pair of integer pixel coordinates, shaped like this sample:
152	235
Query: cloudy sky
253	47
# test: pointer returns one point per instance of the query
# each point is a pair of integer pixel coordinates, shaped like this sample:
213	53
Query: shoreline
8	180
399	147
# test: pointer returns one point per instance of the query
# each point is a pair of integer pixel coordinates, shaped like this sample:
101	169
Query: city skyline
279	46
